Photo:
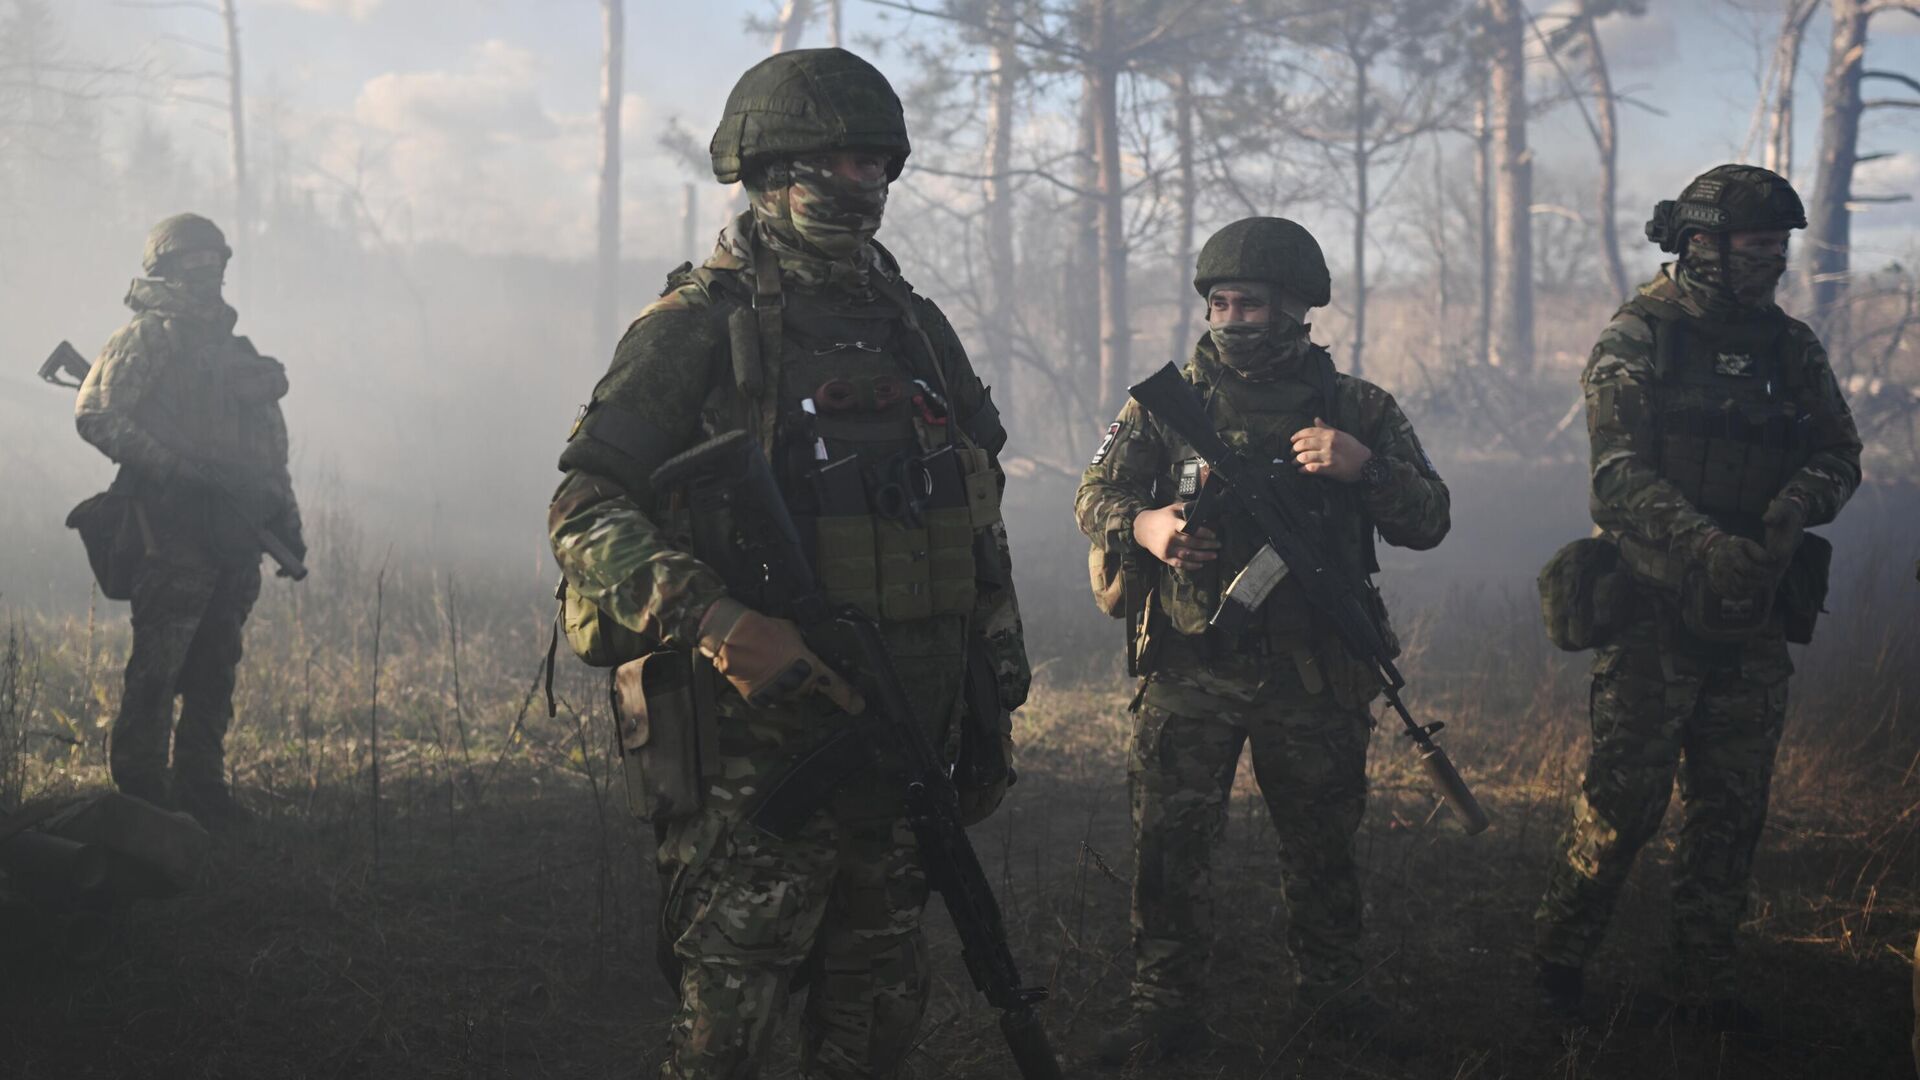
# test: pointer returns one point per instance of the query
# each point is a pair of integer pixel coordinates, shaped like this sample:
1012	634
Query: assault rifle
66	360
730	475
1296	546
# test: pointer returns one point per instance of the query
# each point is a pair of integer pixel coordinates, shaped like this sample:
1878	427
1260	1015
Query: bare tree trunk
1786	65
1512	315
833	22
1356	364
793	23
999	192
1189	196
690	223
1607	135
1483	194
1103	76
237	123
1830	222
606	284
1083	261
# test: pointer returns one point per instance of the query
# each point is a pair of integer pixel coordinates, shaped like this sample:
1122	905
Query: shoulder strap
896	291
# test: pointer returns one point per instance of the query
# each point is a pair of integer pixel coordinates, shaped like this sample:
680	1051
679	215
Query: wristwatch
1375	473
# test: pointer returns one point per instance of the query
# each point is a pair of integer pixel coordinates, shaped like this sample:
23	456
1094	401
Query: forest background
443	213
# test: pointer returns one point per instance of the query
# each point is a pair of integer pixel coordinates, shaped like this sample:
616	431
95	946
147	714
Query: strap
769	312
897	292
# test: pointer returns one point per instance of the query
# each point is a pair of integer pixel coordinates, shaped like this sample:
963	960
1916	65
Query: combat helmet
1266	249
171	242
1727	199
808	101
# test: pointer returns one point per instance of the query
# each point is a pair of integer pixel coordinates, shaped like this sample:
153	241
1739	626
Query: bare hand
1164	534
1324	451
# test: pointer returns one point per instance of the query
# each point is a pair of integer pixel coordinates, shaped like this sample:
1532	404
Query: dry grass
504	929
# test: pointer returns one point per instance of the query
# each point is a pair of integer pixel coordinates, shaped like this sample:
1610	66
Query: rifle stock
1294	535
731	473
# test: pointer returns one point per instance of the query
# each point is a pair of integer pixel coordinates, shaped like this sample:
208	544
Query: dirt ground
508	935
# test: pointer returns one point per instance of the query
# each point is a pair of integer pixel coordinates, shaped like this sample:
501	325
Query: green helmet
808	101
1266	249
182	235
1727	199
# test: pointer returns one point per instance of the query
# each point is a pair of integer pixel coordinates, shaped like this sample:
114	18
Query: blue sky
472	120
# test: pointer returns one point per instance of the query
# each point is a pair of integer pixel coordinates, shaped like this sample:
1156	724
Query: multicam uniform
747	917
1699	417
177	399
1287	686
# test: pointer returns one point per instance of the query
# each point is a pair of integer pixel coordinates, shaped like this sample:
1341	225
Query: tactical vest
868	460
217	403
1728	409
1260	418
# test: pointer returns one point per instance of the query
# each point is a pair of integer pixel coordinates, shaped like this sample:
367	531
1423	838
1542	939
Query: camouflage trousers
188	618
1663	703
1309	755
748	920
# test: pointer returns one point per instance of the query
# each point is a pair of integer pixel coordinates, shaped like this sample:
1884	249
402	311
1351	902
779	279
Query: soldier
1718	435
191	413
799	329
1287	686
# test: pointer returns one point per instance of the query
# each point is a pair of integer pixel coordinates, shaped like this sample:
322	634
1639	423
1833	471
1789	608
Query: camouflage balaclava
1723	278
818	223
1250	347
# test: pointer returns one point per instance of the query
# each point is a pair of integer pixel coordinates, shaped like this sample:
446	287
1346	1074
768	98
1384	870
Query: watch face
1374	472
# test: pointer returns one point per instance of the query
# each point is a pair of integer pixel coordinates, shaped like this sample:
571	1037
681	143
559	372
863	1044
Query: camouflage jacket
1628	494
1411	508
176	398
672	370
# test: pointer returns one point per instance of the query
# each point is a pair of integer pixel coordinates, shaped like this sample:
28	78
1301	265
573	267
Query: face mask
1240	339
1745	278
835	215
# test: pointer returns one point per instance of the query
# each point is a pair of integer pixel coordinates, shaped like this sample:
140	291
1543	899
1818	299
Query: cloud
357	10
494	98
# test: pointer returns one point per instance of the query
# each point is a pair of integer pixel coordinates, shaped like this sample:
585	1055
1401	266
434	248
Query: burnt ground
506	934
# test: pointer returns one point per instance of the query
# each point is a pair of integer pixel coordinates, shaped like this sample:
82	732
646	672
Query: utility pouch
114	532
1586	594
1803	590
659	721
983	487
594	636
1709	616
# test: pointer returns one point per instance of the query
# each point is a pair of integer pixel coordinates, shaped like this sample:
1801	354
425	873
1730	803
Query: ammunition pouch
1586	594
901	547
663	708
1803	590
593	635
114	530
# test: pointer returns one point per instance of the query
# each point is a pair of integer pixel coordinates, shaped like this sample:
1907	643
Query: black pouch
115	536
661	722
1803	590
1709	616
1586	595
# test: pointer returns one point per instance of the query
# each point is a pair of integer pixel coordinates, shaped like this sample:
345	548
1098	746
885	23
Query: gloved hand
1786	520
1736	565
766	660
978	804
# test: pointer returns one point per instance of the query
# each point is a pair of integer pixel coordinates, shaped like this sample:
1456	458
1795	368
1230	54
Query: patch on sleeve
1106	444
